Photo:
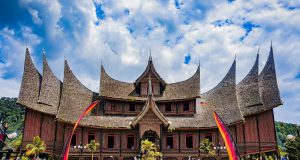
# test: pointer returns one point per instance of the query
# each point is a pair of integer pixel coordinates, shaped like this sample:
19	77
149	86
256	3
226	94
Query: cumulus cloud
122	34
35	16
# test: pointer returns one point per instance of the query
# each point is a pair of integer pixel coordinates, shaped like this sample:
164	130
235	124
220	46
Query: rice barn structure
175	116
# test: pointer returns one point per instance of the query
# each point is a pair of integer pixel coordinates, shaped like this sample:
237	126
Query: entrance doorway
151	136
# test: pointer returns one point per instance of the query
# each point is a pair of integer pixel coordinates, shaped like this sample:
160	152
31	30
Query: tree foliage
92	147
283	129
207	147
14	115
38	146
293	148
149	150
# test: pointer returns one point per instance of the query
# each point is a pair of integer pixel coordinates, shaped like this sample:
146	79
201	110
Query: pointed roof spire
27	50
149	87
271	48
44	52
150	56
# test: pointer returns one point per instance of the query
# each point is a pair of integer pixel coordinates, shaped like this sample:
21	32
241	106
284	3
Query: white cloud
35	16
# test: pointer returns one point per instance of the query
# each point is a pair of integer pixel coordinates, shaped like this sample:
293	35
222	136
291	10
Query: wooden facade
250	136
175	116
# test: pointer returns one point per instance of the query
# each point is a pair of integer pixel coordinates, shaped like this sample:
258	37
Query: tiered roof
187	89
254	94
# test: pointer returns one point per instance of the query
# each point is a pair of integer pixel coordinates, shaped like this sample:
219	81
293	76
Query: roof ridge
150	104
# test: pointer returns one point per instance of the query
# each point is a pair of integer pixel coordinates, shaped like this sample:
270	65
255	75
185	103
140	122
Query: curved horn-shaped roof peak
150	105
150	68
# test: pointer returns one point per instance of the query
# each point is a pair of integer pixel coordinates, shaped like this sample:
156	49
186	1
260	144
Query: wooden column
55	136
41	124
160	138
258	135
199	141
81	141
120	137
244	137
278	154
64	130
101	141
218	140
23	131
179	139
236	137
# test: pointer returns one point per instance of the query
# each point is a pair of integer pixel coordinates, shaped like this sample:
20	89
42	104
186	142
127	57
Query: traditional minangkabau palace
175	116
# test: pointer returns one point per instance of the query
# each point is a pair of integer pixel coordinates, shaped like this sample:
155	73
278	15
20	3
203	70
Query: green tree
293	148
149	150
207	147
38	146
92	146
14	115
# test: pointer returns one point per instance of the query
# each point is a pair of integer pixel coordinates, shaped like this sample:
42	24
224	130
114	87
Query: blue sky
179	34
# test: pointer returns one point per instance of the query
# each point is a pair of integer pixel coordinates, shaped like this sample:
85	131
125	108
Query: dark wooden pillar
219	144
244	137
236	136
55	136
82	128
120	137
160	138
23	131
41	124
275	134
258	135
199	141
179	140
100	141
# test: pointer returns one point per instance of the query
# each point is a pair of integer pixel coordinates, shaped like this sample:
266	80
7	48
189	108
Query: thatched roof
254	94
75	97
150	68
116	89
30	85
248	92
221	99
50	89
150	105
268	87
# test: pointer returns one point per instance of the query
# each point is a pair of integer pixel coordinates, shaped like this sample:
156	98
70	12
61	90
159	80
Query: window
130	142
168	108
170	142
114	107
74	140
186	107
189	141
132	107
110	141
91	136
209	137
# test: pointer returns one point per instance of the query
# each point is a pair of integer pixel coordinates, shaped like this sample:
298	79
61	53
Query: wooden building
176	116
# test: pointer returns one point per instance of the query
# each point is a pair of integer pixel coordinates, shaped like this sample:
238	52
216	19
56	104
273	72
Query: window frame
132	105
167	146
133	145
186	104
91	134
75	134
114	107
114	141
186	140
167	106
